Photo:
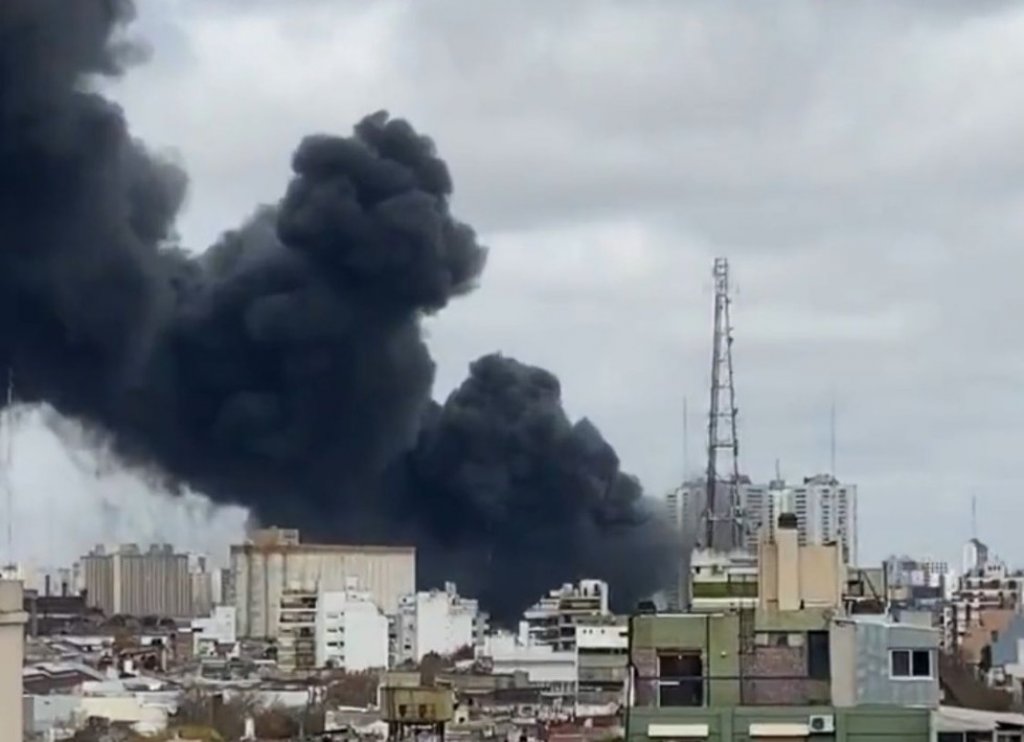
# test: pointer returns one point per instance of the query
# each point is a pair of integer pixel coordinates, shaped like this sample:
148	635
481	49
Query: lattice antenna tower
723	515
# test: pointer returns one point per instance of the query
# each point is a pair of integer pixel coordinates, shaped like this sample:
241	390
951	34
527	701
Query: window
910	663
819	655
680	679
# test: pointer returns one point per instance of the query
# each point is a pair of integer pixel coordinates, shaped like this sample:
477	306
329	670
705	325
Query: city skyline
843	283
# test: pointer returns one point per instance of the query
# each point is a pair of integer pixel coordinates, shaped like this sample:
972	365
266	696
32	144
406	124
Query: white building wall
540	662
219	628
439	621
351	631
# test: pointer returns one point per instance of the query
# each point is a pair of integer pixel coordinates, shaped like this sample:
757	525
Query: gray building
826	509
274	562
877	662
133	582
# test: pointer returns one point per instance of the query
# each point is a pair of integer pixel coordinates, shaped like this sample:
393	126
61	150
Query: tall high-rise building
130	581
685	505
826	510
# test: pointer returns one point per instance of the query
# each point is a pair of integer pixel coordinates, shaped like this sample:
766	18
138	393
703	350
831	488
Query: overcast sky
858	163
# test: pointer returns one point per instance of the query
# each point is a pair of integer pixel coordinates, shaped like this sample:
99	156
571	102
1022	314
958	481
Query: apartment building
826	509
552	620
130	581
438	621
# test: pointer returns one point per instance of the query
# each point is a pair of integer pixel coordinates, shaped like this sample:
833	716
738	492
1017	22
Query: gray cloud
858	163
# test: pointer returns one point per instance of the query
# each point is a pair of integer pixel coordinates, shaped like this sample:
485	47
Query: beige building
12	652
296	641
130	581
274	560
791	576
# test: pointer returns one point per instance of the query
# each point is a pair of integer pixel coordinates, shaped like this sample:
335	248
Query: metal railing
728	690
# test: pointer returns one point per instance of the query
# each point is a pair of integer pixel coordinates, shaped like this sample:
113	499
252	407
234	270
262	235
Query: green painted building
749	675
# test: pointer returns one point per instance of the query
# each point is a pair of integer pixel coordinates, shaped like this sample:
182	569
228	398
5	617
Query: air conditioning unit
821	724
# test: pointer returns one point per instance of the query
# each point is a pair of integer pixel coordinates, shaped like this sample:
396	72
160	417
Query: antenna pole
832	438
686	441
974	516
722	437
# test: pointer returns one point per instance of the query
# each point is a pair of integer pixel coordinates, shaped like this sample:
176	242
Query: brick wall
781	678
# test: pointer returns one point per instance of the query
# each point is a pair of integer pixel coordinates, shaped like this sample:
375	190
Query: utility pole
723	442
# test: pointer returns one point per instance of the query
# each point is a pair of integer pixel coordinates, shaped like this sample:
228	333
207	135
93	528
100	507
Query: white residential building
438	621
542	663
351	631
826	511
685	508
210	634
975	556
552	619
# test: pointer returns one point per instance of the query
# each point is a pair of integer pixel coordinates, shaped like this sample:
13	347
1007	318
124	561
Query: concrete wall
261	574
843	644
733	725
12	653
716	637
791	576
874	683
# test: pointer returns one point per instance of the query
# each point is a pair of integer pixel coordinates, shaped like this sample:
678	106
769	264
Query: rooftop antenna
974	517
686	441
778	471
832	438
722	438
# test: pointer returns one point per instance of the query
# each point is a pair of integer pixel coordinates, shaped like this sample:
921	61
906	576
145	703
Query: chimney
787	545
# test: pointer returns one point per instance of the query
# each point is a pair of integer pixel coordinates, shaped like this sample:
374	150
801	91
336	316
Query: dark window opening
819	655
680	679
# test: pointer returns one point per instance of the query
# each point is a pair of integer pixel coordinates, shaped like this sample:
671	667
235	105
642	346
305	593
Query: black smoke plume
284	368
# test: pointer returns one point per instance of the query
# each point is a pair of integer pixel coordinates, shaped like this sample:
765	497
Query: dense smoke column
284	368
519	499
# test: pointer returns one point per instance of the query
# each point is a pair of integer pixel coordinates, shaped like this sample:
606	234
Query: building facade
12	653
438	621
826	509
210	634
551	620
272	562
989	589
127	580
602	664
296	636
351	631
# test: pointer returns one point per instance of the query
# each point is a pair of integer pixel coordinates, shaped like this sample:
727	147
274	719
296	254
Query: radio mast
723	513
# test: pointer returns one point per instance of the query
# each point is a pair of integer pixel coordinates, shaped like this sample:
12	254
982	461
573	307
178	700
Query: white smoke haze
68	495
